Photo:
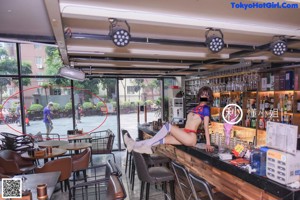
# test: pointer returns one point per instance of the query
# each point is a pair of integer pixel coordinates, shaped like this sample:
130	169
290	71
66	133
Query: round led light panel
121	37
279	47
215	43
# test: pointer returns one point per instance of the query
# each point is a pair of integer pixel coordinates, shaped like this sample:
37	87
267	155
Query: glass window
96	105
37	95
10	118
8	59
145	92
37	46
44	60
39	62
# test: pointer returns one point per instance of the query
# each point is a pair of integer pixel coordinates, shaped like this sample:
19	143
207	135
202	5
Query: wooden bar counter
229	179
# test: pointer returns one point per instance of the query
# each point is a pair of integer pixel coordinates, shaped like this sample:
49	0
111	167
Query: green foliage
36	107
45	85
56	107
113	103
125	104
99	105
68	106
109	85
87	105
149	102
1	106
53	61
3	52
139	102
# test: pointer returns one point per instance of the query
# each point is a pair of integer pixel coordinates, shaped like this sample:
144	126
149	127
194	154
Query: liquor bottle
261	122
289	103
285	103
253	122
247	121
290	119
261	105
248	104
271	103
279	104
298	105
267	104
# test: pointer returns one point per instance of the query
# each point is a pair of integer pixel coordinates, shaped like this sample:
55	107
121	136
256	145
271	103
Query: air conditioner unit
71	73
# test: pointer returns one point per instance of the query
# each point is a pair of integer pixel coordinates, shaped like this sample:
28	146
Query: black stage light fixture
279	45
119	34
214	40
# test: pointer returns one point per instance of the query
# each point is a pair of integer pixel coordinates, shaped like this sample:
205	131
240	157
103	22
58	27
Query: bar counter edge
275	189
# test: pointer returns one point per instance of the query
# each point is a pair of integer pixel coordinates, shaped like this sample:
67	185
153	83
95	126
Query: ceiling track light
120	35
214	40
71	73
278	45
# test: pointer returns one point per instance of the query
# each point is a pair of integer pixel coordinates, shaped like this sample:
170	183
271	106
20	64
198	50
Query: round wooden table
52	143
55	152
76	146
79	137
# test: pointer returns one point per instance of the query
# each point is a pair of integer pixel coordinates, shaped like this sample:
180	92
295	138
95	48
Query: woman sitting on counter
178	136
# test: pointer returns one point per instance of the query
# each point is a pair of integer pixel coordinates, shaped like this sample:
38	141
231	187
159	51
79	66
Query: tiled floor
155	194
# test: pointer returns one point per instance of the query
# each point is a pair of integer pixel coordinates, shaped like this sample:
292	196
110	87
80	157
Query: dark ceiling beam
29	38
147	60
156	41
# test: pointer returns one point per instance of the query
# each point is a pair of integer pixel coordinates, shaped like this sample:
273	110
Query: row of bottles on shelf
285	102
264	117
227	99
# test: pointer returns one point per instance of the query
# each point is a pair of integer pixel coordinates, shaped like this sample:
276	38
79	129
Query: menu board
282	137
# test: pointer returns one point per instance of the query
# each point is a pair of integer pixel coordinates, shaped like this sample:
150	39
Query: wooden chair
80	162
12	163
64	165
102	142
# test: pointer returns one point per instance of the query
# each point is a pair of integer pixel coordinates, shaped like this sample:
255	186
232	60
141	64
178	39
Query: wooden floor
155	194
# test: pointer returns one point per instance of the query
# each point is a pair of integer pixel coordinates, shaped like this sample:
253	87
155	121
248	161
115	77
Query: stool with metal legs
153	175
198	182
183	180
151	160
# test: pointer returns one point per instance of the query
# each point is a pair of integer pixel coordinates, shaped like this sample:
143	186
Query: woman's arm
206	124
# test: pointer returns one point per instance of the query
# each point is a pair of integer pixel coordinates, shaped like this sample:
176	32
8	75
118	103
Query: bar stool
205	187
183	180
151	160
153	175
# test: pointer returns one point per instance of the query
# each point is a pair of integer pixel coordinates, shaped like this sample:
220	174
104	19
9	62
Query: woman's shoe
129	142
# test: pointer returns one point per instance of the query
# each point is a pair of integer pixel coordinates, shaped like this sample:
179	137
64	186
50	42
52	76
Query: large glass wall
142	92
37	94
93	102
96	105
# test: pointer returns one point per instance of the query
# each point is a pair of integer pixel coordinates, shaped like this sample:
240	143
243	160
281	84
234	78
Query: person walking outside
47	119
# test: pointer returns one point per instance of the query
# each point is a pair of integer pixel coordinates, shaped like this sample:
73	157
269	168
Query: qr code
11	188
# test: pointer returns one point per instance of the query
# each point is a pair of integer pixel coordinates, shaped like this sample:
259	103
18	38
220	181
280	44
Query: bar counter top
267	185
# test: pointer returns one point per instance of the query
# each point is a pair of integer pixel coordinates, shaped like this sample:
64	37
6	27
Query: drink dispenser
258	161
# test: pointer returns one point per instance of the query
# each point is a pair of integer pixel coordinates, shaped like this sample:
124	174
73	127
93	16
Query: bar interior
150	100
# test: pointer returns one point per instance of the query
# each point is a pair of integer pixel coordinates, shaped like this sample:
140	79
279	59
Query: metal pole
118	114
19	64
73	104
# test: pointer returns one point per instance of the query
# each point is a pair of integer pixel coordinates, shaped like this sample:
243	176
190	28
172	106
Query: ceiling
168	37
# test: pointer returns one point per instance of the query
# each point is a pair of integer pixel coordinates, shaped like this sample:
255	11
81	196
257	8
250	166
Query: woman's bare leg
188	139
169	139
